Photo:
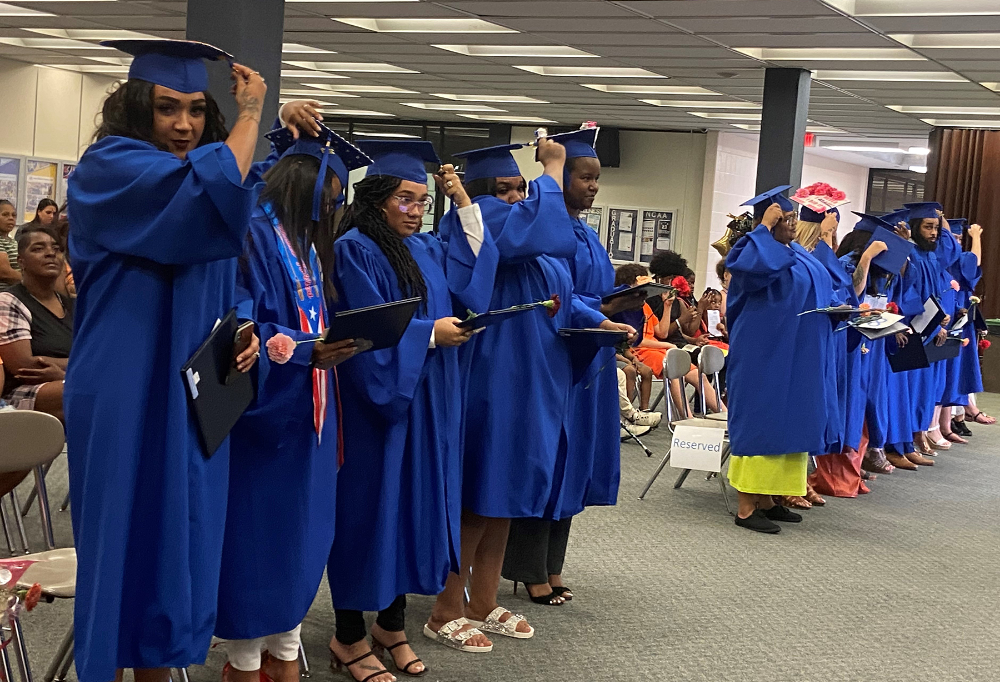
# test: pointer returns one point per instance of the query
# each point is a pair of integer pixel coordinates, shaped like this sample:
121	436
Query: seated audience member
46	213
36	327
66	284
10	271
634	274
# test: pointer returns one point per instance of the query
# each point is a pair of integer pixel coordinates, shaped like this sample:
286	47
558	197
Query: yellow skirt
770	474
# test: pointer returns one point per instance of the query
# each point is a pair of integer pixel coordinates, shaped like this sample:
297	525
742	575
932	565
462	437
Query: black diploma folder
599	338
217	406
497	316
918	355
383	325
647	290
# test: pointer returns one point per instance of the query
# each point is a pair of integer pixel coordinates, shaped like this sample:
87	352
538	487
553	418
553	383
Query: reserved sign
697	447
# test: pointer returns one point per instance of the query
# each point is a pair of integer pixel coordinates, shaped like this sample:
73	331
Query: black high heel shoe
550	599
337	665
378	648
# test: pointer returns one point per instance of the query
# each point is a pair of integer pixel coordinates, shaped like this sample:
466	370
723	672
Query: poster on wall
10	173
40	182
657	233
67	168
594	217
622	230
427	222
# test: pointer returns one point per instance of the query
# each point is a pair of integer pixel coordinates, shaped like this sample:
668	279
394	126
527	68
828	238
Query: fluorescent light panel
820	130
52	44
360	112
891	76
426	25
315	94
590	72
451	107
91	34
974	111
916	8
713	104
283	99
863	148
499	99
372	89
13	11
358	133
87	68
298	48
918	169
830	54
950	41
953	123
515	50
359	67
651	89
508	119
725	116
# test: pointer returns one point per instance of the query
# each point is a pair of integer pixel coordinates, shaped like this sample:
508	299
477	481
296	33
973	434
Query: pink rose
802	193
280	348
955	285
838	195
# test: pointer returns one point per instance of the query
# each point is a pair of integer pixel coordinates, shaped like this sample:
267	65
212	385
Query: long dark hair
365	213
855	244
128	112
42	205
289	190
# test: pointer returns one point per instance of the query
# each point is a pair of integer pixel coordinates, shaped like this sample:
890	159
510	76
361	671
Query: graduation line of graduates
858	405
397	471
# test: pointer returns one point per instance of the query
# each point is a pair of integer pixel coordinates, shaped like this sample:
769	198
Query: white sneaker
633	430
640	418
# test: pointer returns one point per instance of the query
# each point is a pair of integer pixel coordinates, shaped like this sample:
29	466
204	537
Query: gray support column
252	31
783	128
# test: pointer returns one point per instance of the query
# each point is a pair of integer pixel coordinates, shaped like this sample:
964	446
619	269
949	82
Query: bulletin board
10	178
623	226
65	170
594	217
39	183
635	235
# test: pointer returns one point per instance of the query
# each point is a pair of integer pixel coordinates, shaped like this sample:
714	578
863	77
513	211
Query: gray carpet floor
900	585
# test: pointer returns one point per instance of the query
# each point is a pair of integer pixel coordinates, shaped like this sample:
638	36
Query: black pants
351	624
536	548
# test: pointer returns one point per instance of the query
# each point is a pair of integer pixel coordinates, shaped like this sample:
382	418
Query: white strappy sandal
507	628
451	635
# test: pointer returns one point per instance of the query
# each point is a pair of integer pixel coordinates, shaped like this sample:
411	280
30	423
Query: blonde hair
807	234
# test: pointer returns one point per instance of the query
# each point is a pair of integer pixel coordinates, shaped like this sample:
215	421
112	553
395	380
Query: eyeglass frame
404	204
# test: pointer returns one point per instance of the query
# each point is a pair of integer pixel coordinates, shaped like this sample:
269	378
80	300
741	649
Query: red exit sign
810	139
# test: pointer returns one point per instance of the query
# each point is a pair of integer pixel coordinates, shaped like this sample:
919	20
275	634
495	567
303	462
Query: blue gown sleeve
967	271
130	198
470	277
389	376
758	260
841	279
257	170
537	226
584	314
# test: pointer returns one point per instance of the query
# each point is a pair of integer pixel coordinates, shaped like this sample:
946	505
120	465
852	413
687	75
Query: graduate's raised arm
249	90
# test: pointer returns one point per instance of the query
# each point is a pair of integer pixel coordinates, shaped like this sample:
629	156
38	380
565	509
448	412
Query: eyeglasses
406	203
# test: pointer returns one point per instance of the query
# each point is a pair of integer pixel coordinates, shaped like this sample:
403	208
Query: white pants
244	654
624	404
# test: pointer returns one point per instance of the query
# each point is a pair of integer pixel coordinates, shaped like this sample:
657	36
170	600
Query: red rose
892	308
984	344
32	597
552	305
681	284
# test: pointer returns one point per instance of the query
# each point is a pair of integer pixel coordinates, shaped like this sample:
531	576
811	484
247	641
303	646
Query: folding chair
29	441
625	425
675	368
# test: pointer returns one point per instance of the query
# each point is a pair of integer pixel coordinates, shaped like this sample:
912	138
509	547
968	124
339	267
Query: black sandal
561	592
336	665
378	648
546	599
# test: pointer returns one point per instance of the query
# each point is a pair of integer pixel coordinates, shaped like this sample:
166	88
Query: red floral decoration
552	305
32	597
681	284
892	308
984	344
821	189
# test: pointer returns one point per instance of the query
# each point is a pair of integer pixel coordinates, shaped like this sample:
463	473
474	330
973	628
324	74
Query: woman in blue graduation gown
771	428
286	446
586	470
160	211
514	428
968	271
399	493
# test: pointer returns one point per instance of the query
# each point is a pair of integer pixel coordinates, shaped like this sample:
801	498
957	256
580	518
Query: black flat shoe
758	522
779	513
961	428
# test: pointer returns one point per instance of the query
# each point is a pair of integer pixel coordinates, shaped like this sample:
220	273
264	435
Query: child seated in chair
635	371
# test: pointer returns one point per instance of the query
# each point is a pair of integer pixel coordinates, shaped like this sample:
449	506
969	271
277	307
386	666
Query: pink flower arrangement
280	348
821	189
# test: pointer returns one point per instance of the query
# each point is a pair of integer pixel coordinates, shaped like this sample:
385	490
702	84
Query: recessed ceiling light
360	112
358	133
916	8
515	50
308	73
372	89
895	76
315	94
975	111
992	86
52	44
499	99
12	11
863	148
509	119
87	68
950	41
91	34
298	48
724	116
918	169
284	100
805	54
651	89
590	72
451	107
360	67
951	123
708	104
426	25
921	151
820	130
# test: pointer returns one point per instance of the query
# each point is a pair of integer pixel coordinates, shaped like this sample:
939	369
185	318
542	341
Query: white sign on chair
697	447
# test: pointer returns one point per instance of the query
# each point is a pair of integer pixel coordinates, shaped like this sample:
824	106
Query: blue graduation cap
808	215
869	223
491	162
893	259
900	215
174	64
333	152
923	209
771	196
403	159
578	143
958	225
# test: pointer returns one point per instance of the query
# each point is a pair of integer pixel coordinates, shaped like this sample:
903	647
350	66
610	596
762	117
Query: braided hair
365	213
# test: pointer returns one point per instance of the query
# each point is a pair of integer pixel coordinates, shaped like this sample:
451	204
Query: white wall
658	170
48	113
730	179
